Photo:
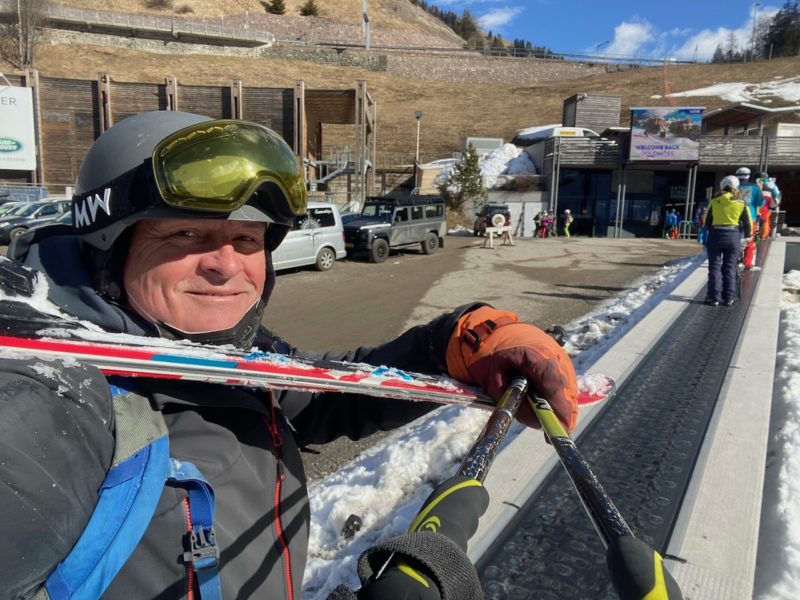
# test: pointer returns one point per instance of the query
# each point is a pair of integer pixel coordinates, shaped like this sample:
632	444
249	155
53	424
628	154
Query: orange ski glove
488	347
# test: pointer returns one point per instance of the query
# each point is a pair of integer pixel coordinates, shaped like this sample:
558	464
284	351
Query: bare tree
20	37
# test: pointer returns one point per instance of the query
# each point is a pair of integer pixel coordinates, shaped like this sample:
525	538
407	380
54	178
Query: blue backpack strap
204	553
127	499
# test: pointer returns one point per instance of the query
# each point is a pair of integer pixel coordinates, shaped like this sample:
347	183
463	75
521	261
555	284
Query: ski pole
637	570
452	510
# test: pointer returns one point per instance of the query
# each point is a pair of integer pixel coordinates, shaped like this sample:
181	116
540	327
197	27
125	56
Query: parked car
387	223
533	135
35	213
488	217
350	216
10	207
316	238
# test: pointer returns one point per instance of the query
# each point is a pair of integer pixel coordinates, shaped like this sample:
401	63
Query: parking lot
550	281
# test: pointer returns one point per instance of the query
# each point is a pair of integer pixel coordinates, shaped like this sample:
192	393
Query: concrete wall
455	66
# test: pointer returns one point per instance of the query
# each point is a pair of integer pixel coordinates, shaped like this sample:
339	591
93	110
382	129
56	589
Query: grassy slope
451	111
395	14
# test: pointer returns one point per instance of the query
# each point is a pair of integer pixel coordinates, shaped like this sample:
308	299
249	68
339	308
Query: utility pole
753	35
418	115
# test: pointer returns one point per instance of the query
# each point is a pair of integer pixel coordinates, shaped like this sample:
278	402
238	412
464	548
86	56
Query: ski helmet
729	183
167	165
743	173
176	165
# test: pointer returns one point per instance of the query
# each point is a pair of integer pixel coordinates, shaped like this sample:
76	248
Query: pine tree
309	9
719	55
783	35
465	182
277	7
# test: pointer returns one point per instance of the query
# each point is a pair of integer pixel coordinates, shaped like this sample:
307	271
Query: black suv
486	218
387	223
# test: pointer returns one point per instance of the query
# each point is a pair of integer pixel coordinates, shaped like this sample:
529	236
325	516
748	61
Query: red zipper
277	443
189	570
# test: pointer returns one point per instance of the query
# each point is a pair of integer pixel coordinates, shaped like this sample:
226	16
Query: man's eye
183	233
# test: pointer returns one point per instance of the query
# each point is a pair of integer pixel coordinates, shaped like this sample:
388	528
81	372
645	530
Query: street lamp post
418	115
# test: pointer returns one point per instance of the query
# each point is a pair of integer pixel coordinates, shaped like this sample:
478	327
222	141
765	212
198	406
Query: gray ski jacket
57	440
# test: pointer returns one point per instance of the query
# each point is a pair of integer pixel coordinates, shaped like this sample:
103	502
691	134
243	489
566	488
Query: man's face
196	275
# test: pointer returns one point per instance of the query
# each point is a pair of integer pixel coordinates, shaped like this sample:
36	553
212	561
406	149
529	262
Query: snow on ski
174	360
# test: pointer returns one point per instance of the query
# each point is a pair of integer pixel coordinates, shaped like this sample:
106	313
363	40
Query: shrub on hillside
309	9
158	3
276	7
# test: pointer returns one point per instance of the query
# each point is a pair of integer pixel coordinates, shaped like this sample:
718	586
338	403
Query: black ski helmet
142	168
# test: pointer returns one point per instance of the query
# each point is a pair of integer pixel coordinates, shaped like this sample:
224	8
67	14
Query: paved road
546	282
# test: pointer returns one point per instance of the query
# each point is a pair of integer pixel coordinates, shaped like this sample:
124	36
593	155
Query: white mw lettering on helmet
86	212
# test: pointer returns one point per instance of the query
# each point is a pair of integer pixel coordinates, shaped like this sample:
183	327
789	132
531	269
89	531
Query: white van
316	238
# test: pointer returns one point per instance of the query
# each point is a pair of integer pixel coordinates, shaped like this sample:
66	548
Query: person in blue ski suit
727	218
175	216
751	195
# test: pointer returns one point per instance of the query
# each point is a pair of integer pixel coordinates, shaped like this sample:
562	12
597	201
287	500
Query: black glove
429	562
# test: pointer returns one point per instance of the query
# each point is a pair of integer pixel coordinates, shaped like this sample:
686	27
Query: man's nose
222	260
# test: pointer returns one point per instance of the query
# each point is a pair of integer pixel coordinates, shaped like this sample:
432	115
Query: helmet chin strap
242	334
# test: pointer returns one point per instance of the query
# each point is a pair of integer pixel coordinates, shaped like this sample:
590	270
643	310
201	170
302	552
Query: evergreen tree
783	35
719	55
731	51
309	9
467	26
465	182
277	7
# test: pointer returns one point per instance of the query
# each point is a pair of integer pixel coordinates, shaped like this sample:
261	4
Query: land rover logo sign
17	139
9	145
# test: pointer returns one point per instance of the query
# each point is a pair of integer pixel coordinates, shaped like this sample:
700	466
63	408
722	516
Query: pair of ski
33	334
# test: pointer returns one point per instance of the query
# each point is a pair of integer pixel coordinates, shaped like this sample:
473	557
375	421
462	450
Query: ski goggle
218	165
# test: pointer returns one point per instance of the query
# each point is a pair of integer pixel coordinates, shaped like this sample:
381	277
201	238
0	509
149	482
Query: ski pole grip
638	572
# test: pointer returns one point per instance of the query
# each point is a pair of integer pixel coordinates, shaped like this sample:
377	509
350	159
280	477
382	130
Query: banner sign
665	134
17	141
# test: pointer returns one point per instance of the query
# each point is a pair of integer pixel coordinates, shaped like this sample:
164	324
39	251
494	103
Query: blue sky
680	29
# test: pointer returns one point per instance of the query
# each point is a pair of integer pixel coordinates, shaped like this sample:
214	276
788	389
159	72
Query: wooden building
70	114
611	196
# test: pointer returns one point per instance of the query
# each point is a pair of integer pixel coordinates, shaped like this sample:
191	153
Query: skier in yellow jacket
726	217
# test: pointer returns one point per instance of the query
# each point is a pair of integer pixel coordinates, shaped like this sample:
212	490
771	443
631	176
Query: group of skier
175	218
740	214
545	223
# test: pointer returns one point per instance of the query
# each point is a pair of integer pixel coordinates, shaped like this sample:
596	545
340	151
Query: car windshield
26	211
17	210
378	210
7	209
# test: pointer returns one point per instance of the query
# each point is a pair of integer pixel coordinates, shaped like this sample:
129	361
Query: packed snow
497	167
778	566
782	88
